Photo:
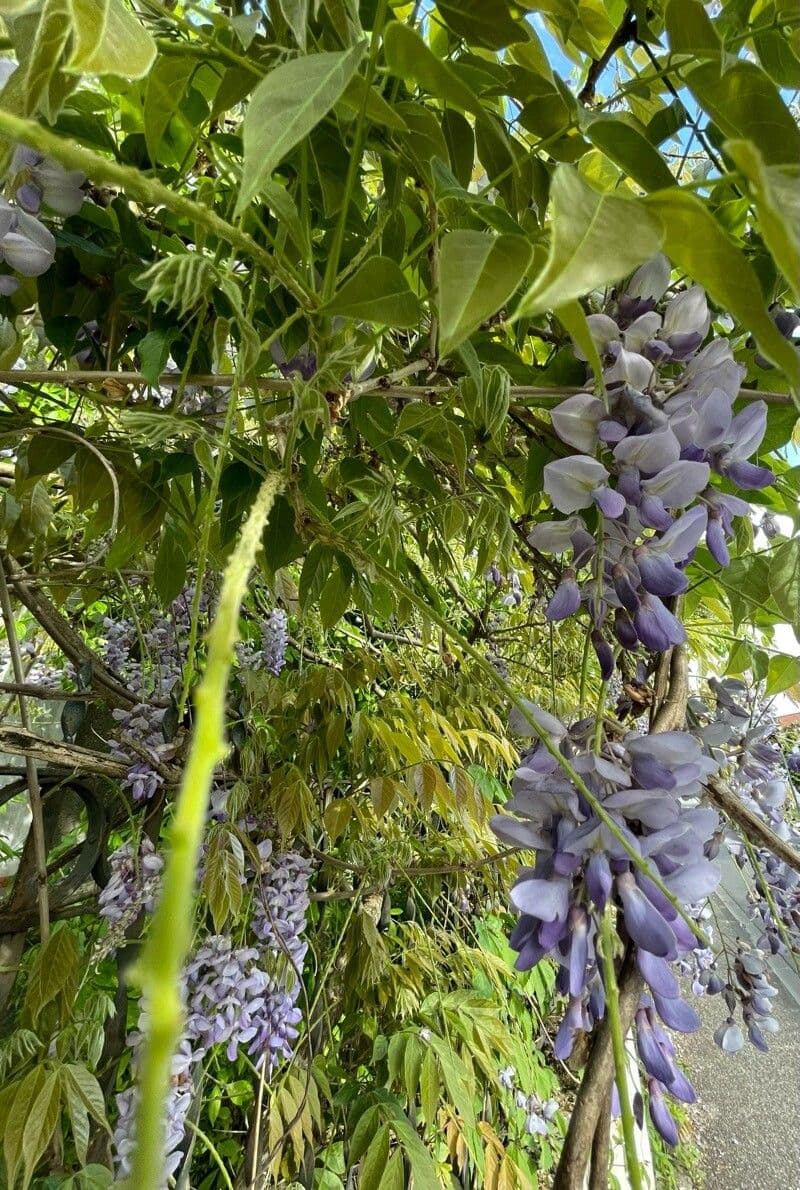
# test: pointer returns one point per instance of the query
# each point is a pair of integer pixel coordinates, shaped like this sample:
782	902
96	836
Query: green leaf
374	1161
316	568
538	457
429	1087
740	658
460	144
596	238
457	1079
378	111
777	196
423	1170
424	138
25	1093
166	85
78	1118
700	246
284	108
412	1064
41	1124
573	319
109	38
222	880
624	142
335	599
377	292
295	13
153	351
782	672
89	18
283	207
784	581
362	1132
490	25
744	102
478	273
690	29
281	541
395	1176
169	571
666	122
51	37
778	54
408	57
54	972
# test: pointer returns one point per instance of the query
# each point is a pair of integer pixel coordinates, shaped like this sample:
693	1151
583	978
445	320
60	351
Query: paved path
747	1117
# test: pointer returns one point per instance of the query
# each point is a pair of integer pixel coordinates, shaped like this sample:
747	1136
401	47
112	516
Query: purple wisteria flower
233	1002
644	472
244	998
133	882
38	181
26	245
649	787
271	653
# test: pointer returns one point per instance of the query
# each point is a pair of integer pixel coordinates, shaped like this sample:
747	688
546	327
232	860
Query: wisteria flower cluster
647	455
179	1100
152	665
280	905
539	1113
26	245
739	732
233	1002
270	654
243	998
132	884
648	785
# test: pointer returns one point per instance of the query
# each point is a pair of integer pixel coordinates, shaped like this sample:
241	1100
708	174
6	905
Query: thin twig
61	432
46	693
386	384
34	792
626	32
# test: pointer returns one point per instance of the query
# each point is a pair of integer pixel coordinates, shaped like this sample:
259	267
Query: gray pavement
747	1117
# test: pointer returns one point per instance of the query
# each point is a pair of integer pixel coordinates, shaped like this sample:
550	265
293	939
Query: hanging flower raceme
151	660
740	734
244	998
270	655
649	786
644	471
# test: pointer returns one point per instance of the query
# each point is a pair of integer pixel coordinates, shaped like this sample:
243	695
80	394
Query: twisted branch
61	632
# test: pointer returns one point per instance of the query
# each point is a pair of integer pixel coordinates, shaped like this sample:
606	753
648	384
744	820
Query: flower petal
575	421
570	482
546	899
643	922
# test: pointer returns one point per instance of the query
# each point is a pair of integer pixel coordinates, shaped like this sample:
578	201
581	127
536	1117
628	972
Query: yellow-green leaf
408	57
284	108
478	273
109	38
744	102
596	238
41	1124
776	190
